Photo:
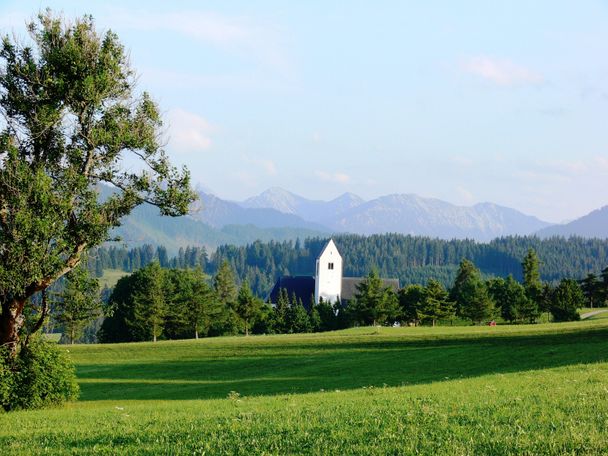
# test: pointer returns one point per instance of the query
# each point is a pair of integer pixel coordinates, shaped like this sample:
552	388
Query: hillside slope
592	225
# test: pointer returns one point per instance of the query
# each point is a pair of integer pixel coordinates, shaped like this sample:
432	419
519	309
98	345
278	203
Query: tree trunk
11	321
196	334
154	337
246	330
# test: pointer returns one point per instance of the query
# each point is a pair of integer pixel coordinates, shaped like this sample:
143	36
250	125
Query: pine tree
479	304
79	303
510	296
411	300
566	299
435	304
374	303
201	304
466	276
532	282
226	292
248	306
281	310
150	307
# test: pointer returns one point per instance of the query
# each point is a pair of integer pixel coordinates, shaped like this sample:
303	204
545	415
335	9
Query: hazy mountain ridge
277	214
402	213
217	213
592	225
314	210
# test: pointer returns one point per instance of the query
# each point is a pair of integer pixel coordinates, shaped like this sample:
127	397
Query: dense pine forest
411	259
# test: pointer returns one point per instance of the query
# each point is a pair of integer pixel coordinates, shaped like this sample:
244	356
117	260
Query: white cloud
269	167
337	177
235	33
502	72
188	132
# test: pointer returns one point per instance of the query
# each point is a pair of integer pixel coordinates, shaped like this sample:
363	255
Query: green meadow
538	389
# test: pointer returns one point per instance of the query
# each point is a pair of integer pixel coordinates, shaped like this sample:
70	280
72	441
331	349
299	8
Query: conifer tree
150	307
532	282
466	278
479	304
566	299
248	306
280	313
435	304
78	304
374	303
226	291
411	300
201	304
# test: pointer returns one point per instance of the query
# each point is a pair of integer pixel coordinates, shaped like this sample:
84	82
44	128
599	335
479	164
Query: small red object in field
492	323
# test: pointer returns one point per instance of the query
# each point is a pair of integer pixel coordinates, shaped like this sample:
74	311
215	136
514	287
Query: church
328	282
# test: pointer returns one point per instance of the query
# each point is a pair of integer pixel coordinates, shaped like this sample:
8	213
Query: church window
330	265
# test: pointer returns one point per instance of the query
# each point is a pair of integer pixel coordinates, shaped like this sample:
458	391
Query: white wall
328	282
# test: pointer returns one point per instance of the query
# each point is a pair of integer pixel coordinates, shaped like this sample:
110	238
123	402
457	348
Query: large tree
71	120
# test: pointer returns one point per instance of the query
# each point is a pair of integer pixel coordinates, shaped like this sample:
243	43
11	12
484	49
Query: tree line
186	303
411	259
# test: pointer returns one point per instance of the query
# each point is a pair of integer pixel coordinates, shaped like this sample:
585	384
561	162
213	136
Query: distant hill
592	225
145	225
218	213
399	213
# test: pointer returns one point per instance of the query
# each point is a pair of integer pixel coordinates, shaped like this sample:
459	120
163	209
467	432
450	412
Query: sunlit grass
537	389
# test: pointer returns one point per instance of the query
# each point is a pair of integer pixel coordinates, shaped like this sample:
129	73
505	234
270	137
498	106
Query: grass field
503	390
110	277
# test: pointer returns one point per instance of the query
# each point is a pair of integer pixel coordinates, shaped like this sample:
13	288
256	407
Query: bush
41	375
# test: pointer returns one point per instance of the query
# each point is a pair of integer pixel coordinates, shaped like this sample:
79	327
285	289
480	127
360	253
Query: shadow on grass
308	367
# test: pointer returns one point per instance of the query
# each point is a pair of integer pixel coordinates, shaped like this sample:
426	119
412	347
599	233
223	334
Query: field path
591	314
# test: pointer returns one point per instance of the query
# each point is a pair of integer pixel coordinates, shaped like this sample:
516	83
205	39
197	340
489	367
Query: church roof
302	286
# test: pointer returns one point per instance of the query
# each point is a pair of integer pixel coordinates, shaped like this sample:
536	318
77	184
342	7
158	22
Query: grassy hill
463	390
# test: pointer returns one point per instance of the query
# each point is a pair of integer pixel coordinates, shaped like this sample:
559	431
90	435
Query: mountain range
401	213
277	214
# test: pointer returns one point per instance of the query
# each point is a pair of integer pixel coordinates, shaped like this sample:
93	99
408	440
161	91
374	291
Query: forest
411	259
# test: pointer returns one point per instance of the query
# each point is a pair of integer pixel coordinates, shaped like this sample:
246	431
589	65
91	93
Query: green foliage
592	289
71	118
435	304
41	375
566	299
248	306
510	296
470	294
479	304
411	299
79	303
531	276
374	303
150	307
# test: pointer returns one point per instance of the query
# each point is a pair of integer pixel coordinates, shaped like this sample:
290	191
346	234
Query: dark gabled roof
302	286
349	286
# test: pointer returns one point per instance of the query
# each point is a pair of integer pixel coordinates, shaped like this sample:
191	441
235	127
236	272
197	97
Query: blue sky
466	101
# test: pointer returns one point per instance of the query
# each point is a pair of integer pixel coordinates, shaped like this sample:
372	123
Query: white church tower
328	276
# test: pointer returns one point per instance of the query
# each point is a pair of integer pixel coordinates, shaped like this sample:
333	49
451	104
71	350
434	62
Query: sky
468	101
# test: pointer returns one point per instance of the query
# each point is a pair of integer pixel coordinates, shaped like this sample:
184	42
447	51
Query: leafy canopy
72	118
